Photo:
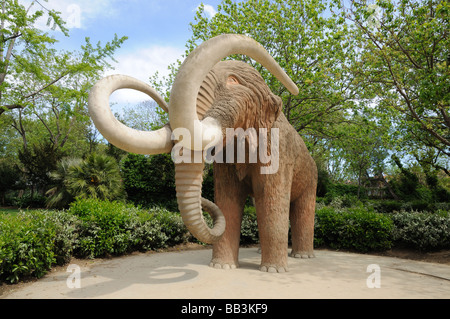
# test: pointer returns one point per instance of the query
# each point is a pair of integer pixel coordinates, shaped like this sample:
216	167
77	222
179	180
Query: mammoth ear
274	107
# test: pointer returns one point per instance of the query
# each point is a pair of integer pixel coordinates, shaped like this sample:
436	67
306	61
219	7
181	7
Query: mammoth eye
232	80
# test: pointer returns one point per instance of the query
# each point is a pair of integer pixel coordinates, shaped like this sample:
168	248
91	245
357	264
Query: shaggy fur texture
236	95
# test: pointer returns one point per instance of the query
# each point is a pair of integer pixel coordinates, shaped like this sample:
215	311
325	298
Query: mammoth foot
302	254
273	268
220	265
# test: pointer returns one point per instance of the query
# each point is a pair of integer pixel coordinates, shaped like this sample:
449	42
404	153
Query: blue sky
157	32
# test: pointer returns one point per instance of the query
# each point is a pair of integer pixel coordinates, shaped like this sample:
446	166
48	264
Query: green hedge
32	241
422	230
114	228
355	228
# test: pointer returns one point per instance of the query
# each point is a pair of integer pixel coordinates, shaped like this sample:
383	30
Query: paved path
186	274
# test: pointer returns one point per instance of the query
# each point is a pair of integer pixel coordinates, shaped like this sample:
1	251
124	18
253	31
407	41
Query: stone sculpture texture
218	109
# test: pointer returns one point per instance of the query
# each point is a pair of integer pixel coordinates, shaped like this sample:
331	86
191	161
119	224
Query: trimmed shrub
114	228
385	206
160	228
249	227
423	231
356	228
30	243
102	229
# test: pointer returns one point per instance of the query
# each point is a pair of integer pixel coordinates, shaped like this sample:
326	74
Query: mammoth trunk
188	181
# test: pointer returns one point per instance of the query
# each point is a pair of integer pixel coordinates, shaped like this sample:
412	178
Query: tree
149	180
43	91
363	145
29	65
59	195
10	178
314	50
405	59
145	116
38	160
97	176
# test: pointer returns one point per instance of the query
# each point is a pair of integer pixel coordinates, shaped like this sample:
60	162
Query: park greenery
373	110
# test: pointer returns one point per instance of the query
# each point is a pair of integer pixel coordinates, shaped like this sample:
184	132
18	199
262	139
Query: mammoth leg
272	210
230	195
302	225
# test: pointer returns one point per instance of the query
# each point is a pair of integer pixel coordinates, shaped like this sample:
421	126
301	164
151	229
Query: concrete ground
186	274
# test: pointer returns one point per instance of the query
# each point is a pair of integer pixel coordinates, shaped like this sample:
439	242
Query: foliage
59	195
113	228
103	229
323	180
10	178
354	228
361	147
44	91
168	229
97	176
408	183
38	161
249	227
404	61
28	200
28	55
149	180
31	243
424	231
311	46
208	182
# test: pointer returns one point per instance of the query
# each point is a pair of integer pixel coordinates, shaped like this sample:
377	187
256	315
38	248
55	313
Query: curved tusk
183	113
118	134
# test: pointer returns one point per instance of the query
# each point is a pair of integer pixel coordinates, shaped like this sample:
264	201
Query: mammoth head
199	91
236	95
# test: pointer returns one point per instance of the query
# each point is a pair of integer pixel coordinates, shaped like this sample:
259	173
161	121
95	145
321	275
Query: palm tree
98	176
59	196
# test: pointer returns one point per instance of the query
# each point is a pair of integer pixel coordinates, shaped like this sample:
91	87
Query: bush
424	231
31	242
149	179
160	228
249	227
113	228
356	228
28	200
386	206
340	189
102	229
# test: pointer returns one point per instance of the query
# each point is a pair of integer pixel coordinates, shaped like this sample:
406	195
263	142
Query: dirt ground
440	257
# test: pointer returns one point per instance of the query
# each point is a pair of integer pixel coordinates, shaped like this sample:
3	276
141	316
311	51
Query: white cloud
142	64
208	9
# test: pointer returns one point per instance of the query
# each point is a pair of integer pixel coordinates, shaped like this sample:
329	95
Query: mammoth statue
208	98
